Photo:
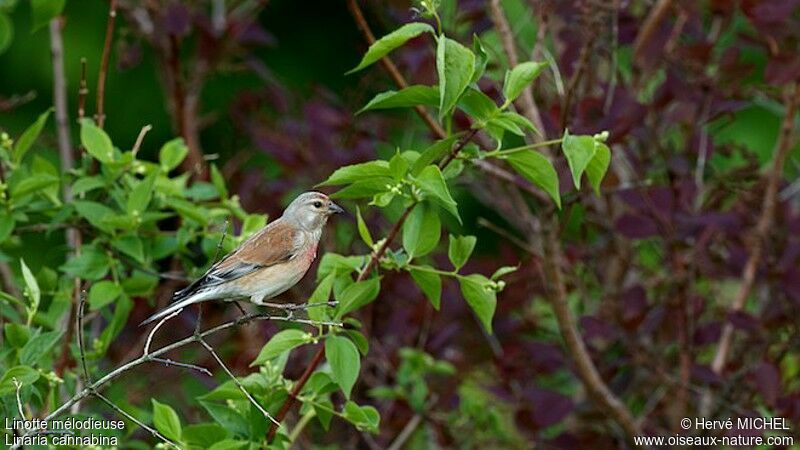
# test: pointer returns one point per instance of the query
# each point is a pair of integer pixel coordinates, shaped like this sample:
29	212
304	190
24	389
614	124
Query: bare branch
140	138
169	362
143	425
18	386
155	328
101	79
237	382
79	328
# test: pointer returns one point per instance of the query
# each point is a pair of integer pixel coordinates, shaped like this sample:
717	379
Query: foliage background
652	264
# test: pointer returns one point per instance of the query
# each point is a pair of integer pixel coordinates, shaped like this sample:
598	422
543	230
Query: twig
155	328
784	144
79	328
101	79
405	433
83	91
238	383
649	27
169	362
18	386
140	138
128	416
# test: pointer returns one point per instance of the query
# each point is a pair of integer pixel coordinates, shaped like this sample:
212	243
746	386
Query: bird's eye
317	204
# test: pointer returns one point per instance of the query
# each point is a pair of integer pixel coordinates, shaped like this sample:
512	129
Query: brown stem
650	26
83	90
101	79
784	145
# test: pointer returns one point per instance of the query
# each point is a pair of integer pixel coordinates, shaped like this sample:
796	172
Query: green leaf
421	231
230	444
32	184
391	41
228	417
203	435
433	153
363	231
38	346
538	170
430	283
478	106
141	194
95	213
24	374
503	271
363	417
481	59
321	294
460	249
404	98
364	188
86	184
103	293
219	181
166	421
131	245
480	298
6	32
454	64
96	141
172	154
432	183
518	78
358	172
31	133
519	121
91	264
281	342
579	151
31	285
17	334
357	295
345	364
598	166
6	227
42	11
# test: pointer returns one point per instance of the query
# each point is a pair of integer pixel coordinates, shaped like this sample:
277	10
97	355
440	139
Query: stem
499	153
101	79
301	424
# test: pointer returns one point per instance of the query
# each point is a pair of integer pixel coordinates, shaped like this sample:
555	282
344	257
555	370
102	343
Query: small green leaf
391	41
322	294
503	271
42	11
518	78
364	418
103	293
91	264
24	374
430	283
460	250
31	285
365	188
363	231
345	364
95	213
31	133
17	334
166	421
6	32
579	151
33	184
357	295
454	64
481	59
38	346
6	227
141	194
203	435
172	154
96	141
358	172
478	106
219	181
432	183
421	231
404	98
86	184
281	342
538	170
480	298
398	166
598	166
433	153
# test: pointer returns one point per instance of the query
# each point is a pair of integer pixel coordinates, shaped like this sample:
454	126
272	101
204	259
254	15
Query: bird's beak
333	208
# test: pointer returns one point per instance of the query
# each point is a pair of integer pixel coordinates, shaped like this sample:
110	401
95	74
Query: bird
267	263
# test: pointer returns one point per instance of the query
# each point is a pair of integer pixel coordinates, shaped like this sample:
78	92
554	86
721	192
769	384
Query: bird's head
310	210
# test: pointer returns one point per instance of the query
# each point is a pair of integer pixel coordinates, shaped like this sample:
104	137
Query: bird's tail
181	300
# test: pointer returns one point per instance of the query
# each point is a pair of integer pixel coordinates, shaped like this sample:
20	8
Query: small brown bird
268	263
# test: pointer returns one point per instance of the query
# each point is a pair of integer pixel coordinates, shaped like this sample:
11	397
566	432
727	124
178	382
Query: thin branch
18	386
140	138
128	416
650	26
79	328
60	101
155	328
101	79
238	383
783	146
169	362
405	433
83	91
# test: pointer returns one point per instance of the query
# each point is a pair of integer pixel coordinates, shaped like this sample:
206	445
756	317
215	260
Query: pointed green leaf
38	346
538	170
579	151
520	77
363	231
598	166
31	133
421	231
6	32
357	295
358	172
345	364
480	298
141	194
430	283
31	285
433	153
460	249
404	98
172	154
364	418
42	11
391	41
478	106
431	182
281	342
103	293
166	421
455	65
23	374
96	141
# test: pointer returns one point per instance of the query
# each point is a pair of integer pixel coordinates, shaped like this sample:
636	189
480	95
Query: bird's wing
274	244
